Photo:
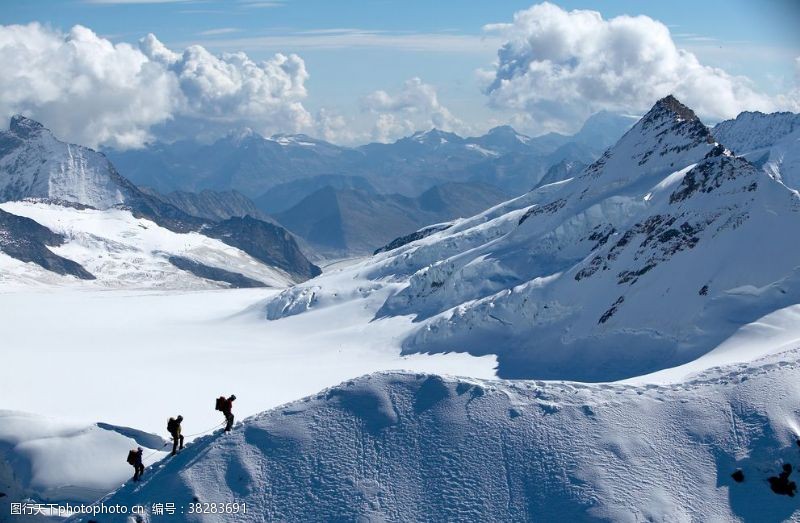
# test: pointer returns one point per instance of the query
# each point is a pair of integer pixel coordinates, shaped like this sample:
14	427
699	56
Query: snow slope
34	164
134	358
648	259
56	460
123	251
416	447
771	141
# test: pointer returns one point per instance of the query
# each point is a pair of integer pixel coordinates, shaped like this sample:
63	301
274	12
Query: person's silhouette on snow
135	459
781	483
174	428
226	406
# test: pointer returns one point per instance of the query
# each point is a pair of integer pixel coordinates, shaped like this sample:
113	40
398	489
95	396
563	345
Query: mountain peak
670	104
435	136
503	129
23	126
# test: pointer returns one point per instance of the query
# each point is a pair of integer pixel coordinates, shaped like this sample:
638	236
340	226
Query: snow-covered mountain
75	202
647	259
769	141
116	249
417	447
34	164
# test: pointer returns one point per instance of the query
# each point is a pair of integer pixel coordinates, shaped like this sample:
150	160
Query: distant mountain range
324	193
297	165
84	184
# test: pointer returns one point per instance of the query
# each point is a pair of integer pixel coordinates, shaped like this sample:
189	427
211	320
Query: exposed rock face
234	279
269	243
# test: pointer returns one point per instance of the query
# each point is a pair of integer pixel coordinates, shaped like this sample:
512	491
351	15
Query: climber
226	406
135	459
781	483
174	428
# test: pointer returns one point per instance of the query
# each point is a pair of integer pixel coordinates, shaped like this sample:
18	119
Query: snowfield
122	251
135	358
405	447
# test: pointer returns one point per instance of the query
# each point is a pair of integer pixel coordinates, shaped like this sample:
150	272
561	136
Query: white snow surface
123	251
135	358
48	458
416	447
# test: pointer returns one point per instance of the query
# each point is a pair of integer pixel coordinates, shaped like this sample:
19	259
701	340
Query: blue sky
354	48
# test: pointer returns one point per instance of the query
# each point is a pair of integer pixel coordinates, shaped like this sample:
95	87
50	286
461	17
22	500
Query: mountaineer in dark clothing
226	406
135	459
174	428
781	483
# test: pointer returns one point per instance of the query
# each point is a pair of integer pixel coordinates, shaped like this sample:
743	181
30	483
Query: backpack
132	454
172	425
220	405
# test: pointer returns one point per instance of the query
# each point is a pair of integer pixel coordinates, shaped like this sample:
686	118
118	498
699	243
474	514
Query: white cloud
232	89
220	31
93	92
416	106
251	4
84	87
558	66
333	127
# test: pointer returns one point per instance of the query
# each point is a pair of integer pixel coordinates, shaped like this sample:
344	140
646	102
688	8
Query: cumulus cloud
94	92
558	67
416	106
334	127
81	85
233	89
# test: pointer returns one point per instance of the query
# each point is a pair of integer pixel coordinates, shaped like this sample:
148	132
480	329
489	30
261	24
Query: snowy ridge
622	270
50	459
403	446
770	141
